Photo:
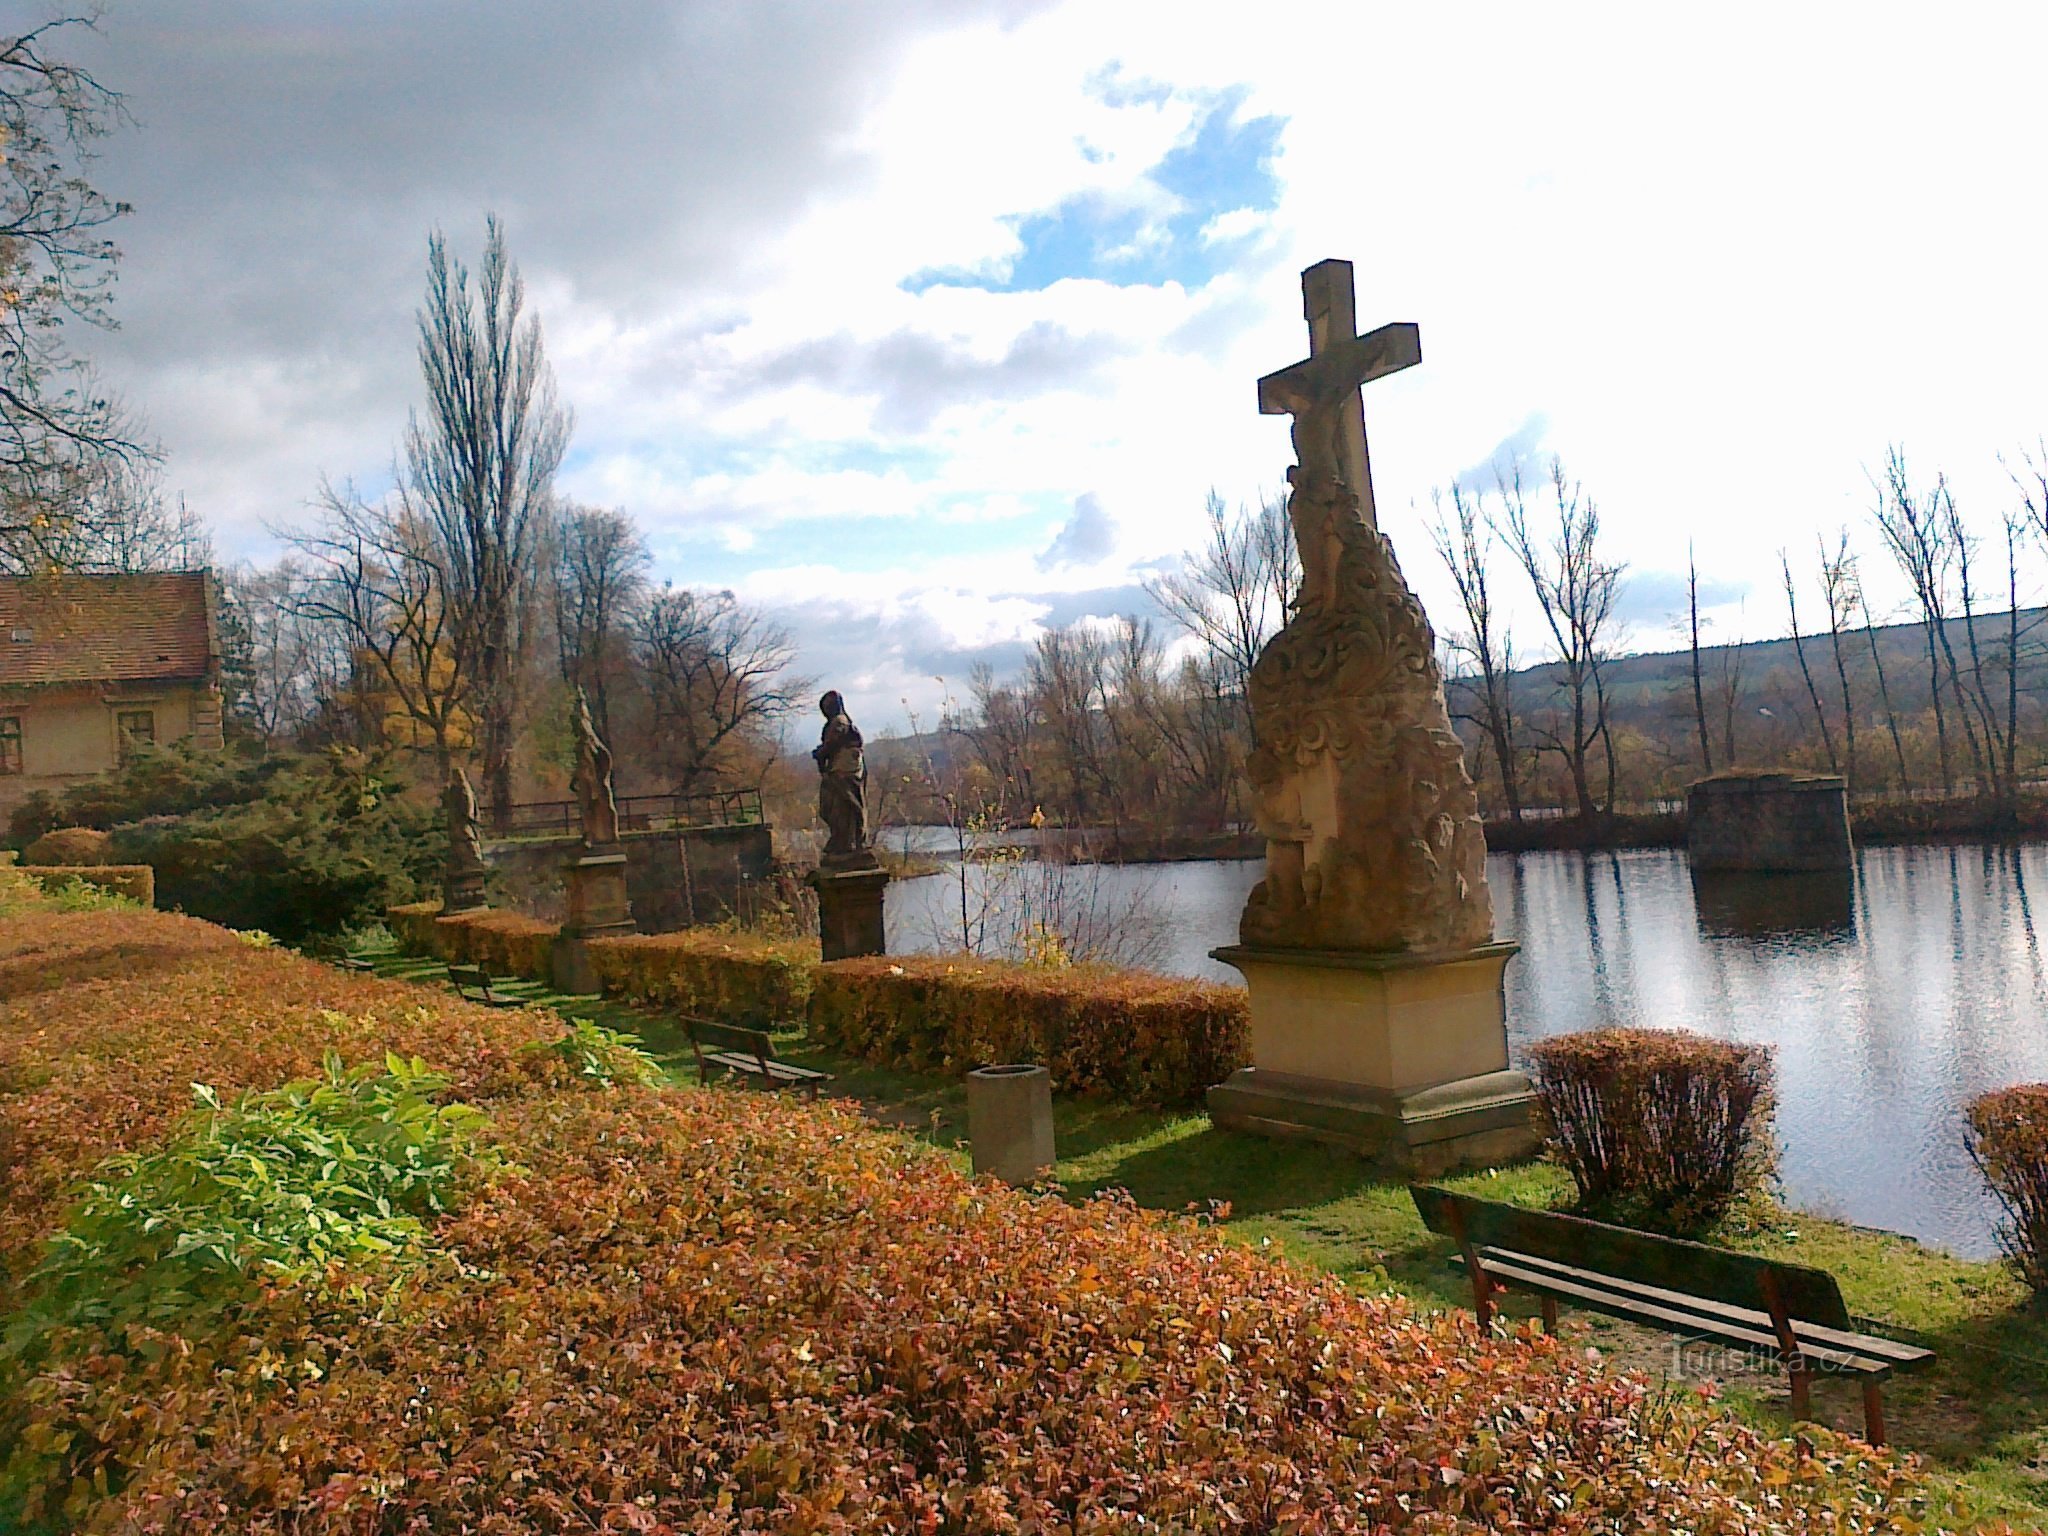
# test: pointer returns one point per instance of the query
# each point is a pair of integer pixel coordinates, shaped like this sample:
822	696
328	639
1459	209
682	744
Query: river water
1890	1001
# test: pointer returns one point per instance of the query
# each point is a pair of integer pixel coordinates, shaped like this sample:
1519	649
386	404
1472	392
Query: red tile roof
83	629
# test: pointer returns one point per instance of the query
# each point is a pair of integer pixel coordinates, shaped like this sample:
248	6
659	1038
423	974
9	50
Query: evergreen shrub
69	845
1130	1035
2007	1134
1659	1128
130	882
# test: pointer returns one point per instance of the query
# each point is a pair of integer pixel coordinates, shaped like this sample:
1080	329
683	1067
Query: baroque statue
1373	836
593	781
458	802
842	785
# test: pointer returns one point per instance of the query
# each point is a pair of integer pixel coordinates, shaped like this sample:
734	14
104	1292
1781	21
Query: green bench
1787	1312
750	1054
473	982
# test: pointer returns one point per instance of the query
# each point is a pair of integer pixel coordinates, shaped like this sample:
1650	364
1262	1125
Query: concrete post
1009	1121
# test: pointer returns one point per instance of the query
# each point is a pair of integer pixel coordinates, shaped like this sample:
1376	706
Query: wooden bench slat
1686	1320
1905	1357
748	1051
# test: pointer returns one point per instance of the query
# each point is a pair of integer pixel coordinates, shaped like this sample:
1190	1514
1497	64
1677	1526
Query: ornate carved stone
842	788
1373	837
462	883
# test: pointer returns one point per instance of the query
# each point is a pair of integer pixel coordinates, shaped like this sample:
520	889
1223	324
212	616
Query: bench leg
1802	1395
1550	1315
1873	1412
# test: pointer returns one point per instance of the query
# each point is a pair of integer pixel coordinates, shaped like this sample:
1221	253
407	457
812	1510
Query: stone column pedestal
1009	1122
1402	1058
462	889
850	909
598	909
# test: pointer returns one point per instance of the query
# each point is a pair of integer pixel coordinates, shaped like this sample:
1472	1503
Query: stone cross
1321	392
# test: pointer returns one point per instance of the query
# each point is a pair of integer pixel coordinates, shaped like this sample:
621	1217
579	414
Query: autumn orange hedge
714	1311
503	943
2006	1132
1131	1035
710	972
107	1018
137	882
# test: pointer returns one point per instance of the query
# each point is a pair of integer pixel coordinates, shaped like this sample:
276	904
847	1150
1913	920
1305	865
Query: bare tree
479	475
58	427
1820	714
1575	590
717	673
1484	645
1843	594
1233	592
1914	531
380	573
600	574
126	522
1699	695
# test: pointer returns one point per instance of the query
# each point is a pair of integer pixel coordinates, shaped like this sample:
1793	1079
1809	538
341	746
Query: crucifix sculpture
1321	393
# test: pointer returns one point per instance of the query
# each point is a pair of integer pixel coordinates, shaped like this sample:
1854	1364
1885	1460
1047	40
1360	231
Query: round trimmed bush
2007	1134
1658	1128
70	847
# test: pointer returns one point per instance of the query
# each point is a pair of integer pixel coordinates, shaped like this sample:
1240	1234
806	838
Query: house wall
69	734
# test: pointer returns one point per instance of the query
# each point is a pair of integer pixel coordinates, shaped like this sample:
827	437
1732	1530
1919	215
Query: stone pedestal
598	909
1769	821
462	889
1009	1122
1400	1057
850	908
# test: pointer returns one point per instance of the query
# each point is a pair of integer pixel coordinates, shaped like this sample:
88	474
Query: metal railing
639	813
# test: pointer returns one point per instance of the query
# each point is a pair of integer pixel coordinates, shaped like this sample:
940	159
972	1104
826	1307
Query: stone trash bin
1009	1121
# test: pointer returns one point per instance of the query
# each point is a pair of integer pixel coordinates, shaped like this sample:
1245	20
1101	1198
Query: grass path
1981	1417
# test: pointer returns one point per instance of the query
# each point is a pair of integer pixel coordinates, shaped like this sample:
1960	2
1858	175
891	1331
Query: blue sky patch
1225	165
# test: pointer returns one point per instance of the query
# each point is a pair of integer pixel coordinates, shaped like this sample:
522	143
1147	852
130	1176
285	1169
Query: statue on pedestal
593	781
463	880
842	785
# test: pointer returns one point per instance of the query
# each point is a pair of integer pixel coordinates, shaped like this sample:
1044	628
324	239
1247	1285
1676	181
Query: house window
10	743
135	727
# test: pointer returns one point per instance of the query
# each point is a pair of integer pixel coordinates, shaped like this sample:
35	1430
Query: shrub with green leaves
596	1054
306	1183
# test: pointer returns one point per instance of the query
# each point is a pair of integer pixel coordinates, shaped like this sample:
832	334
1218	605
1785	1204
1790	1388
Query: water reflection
1821	904
1890	1002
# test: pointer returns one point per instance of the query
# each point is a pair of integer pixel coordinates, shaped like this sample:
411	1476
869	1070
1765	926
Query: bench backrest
1671	1263
730	1037
469	975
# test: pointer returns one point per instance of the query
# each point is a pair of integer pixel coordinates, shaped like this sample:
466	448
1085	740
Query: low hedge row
756	982
137	882
1130	1035
714	1311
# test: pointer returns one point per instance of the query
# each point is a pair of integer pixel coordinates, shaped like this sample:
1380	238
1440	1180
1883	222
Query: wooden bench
750	1053
474	979
1793	1314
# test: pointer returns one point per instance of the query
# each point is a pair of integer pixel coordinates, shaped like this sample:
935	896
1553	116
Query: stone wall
674	879
1769	821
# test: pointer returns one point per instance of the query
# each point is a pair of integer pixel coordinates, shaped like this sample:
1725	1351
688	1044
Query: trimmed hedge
2007	1134
1658	1128
137	882
717	1311
757	982
70	845
503	943
1130	1035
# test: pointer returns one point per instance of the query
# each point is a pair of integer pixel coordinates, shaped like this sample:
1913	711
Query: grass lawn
1980	1417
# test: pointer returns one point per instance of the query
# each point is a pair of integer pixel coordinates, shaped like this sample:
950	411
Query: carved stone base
598	909
850	911
462	890
1401	1058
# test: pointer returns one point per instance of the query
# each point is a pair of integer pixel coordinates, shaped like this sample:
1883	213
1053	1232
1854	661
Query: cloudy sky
930	324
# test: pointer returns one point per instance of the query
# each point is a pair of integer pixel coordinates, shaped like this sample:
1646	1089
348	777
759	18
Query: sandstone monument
1378	1014
462	881
849	879
596	877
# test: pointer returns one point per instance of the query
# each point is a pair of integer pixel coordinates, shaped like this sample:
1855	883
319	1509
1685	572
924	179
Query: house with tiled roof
90	665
